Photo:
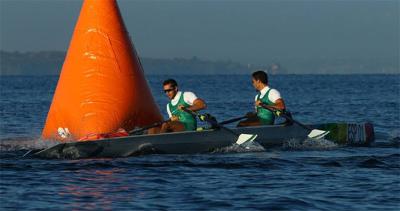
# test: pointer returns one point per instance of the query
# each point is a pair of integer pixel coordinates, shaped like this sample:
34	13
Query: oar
135	131
31	152
241	138
314	133
233	120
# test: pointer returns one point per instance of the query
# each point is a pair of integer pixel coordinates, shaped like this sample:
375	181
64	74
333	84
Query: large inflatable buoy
102	86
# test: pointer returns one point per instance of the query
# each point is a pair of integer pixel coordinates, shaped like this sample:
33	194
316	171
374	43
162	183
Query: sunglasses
168	90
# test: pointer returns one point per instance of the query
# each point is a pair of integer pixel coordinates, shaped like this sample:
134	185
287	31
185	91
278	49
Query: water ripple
302	175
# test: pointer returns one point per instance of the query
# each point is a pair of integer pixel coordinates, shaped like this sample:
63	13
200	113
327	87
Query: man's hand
258	103
274	110
180	107
174	118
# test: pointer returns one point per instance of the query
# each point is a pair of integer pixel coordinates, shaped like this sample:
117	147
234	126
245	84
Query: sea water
311	176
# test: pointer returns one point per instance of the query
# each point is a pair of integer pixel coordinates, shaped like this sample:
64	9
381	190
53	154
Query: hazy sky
240	30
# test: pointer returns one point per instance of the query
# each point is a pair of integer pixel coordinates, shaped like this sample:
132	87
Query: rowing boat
190	142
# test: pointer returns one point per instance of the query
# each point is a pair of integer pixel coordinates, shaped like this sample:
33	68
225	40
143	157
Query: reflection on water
95	188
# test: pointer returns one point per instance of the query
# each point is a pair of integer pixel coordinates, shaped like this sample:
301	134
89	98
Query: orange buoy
102	86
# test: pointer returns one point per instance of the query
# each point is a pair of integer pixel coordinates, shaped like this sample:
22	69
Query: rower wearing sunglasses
180	119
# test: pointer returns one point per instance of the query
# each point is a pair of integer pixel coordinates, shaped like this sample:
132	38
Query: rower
180	119
266	97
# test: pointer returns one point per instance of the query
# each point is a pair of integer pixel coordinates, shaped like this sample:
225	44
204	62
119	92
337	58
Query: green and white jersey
186	99
269	97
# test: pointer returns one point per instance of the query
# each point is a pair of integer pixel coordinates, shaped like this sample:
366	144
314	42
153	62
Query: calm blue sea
319	176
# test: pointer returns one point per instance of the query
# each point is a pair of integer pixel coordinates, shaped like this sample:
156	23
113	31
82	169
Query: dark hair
170	81
261	76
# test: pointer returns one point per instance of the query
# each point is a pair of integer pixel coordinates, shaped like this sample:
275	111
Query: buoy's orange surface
102	86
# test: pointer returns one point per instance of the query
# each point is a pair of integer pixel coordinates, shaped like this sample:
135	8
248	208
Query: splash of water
16	144
309	144
250	146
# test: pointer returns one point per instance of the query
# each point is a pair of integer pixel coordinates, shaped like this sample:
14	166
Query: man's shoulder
188	94
274	95
273	90
189	97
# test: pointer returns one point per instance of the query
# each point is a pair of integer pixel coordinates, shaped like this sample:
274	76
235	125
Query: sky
245	31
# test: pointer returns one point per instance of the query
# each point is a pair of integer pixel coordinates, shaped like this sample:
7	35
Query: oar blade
243	138
317	134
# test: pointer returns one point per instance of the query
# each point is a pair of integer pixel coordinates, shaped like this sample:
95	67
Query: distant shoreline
50	63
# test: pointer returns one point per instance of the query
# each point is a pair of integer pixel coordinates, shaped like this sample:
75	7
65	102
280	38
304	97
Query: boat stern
354	134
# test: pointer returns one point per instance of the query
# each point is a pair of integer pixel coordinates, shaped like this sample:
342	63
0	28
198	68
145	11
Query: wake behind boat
190	142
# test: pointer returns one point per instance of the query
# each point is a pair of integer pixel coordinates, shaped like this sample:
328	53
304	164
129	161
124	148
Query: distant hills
50	63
